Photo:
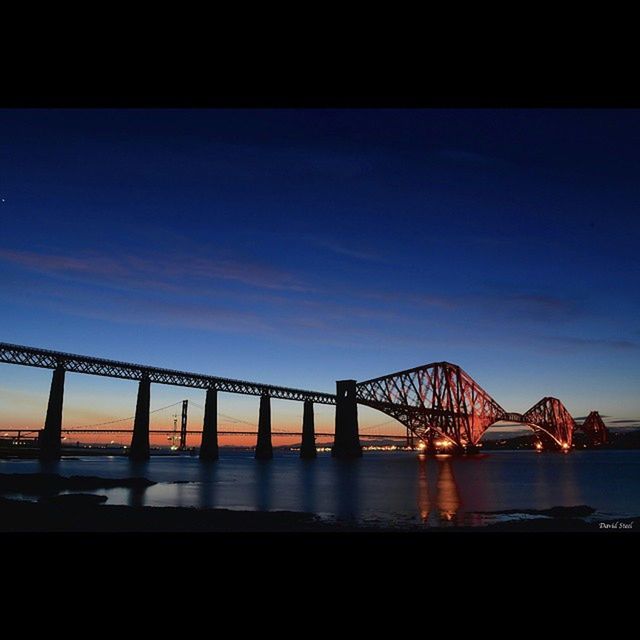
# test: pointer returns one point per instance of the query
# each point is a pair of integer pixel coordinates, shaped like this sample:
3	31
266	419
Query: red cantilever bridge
435	400
440	399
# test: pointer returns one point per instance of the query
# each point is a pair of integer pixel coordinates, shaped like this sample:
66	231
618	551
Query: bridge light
539	446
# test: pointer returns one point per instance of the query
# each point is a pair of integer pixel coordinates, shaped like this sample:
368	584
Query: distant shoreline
629	440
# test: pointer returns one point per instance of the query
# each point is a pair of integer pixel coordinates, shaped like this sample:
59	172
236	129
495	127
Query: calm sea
382	487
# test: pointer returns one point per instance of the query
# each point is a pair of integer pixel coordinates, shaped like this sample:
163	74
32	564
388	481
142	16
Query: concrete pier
347	439
50	436
264	450
209	445
140	440
183	426
308	447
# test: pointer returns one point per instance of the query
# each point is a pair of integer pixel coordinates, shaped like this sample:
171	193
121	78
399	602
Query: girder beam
46	359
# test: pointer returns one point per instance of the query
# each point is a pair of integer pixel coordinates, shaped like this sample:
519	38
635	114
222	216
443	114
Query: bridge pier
347	440
409	438
140	440
50	437
308	447
183	426
431	445
209	444
264	450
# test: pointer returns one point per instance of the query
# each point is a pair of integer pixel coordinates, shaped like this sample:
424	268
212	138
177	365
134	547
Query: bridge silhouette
439	403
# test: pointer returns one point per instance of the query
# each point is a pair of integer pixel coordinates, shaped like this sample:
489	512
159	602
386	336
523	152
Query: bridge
441	400
437	400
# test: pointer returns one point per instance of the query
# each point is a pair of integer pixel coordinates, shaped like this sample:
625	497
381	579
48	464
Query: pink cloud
123	309
421	299
70	264
160	271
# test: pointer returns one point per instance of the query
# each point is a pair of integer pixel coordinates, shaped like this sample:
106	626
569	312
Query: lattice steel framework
551	416
440	399
45	359
595	429
436	398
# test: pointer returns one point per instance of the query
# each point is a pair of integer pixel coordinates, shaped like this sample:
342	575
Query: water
385	488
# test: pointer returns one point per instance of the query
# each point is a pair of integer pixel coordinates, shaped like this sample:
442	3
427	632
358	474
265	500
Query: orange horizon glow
166	440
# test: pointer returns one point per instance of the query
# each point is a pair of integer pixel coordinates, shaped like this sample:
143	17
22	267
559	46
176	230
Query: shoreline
74	504
87	513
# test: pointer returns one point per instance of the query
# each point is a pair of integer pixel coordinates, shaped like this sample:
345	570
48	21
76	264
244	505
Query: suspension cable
100	424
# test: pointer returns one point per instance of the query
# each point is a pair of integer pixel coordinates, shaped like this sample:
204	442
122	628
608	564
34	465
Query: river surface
386	488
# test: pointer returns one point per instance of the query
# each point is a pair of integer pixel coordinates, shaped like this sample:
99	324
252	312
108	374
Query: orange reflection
448	496
424	505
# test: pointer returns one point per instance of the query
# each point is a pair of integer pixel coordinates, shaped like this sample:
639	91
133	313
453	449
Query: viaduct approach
438	400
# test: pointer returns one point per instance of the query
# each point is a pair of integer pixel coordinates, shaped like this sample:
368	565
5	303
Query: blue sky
298	247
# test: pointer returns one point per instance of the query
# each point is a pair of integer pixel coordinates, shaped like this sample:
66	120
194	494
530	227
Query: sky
298	247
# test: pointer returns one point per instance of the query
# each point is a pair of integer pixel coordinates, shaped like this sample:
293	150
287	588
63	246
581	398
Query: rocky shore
87	512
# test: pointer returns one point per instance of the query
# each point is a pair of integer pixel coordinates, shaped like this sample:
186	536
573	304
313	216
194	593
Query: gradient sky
298	247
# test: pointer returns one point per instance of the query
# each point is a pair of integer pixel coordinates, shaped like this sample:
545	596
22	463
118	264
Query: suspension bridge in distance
437	400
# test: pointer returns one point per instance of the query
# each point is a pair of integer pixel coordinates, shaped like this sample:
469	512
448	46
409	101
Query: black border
301	98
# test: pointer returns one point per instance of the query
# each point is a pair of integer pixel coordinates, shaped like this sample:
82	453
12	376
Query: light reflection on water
386	487
439	500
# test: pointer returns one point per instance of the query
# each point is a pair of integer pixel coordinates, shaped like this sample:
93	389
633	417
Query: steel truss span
434	400
595	429
550	416
441	400
46	359
437	398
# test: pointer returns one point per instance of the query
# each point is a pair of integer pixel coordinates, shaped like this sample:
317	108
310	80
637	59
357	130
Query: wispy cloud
296	319
145	311
155	270
591	343
472	158
196	292
443	302
419	299
344	311
533	306
87	264
548	302
536	307
350	251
